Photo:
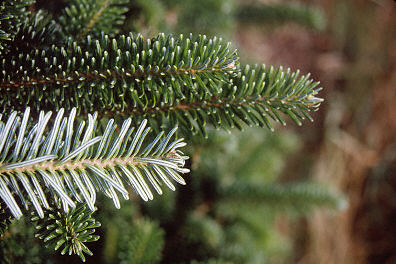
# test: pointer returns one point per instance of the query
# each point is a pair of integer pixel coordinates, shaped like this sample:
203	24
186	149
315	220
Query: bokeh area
323	192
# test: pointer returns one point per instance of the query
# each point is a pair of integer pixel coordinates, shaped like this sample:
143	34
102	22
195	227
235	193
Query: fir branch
71	161
69	231
256	95
112	74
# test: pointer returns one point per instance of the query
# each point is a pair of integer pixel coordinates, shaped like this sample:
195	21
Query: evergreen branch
69	231
70	160
282	13
256	95
92	17
110	74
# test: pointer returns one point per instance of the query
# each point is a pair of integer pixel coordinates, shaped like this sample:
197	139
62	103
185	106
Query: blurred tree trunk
358	150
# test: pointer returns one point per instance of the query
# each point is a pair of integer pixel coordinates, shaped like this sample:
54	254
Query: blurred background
324	192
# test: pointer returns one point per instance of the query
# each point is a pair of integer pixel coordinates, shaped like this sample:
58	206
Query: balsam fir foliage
71	160
54	71
115	73
67	231
187	81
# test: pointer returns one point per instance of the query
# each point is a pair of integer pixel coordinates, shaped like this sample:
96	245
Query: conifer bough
115	73
184	81
68	161
67	231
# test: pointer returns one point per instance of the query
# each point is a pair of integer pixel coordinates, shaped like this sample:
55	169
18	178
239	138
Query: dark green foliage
12	14
302	14
18	245
69	231
83	17
37	31
115	74
128	237
72	161
253	96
